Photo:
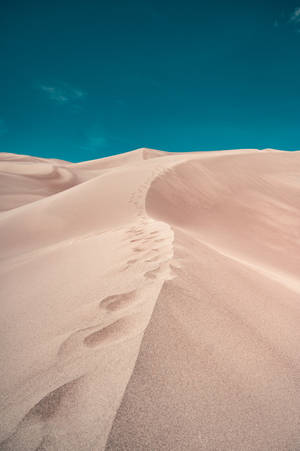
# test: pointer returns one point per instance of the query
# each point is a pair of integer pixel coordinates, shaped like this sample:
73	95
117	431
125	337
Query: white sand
151	301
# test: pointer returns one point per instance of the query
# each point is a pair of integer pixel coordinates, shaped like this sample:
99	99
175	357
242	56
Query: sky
82	80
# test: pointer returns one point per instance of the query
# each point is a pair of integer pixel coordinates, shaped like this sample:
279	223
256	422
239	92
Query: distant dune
151	301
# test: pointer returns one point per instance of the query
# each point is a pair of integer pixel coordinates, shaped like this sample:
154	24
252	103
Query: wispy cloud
3	129
62	94
295	16
289	21
96	139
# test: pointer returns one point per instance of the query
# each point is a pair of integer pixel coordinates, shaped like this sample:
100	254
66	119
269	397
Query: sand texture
150	301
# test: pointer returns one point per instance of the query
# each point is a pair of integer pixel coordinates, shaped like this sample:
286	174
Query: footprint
72	345
124	327
125	268
118	301
131	262
153	259
138	249
48	406
152	274
136	230
146	240
36	418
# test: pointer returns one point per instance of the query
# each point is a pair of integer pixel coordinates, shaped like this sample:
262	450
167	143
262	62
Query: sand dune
150	301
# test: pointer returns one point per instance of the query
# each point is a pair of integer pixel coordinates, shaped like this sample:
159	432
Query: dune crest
150	301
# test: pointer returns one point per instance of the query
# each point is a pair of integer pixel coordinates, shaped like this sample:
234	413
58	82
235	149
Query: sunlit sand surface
151	301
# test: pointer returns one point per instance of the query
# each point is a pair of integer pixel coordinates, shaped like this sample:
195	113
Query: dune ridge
150	301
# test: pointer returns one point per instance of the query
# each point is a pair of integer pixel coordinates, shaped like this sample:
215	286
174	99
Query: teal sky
82	80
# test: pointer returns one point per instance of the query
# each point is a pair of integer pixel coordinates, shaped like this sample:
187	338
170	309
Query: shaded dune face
219	365
23	182
25	179
247	205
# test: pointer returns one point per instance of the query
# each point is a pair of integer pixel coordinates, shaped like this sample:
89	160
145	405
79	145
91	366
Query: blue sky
82	80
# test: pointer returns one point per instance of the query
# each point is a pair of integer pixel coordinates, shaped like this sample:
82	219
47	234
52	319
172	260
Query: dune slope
150	301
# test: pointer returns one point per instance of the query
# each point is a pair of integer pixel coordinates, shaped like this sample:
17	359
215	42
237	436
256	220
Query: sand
151	301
